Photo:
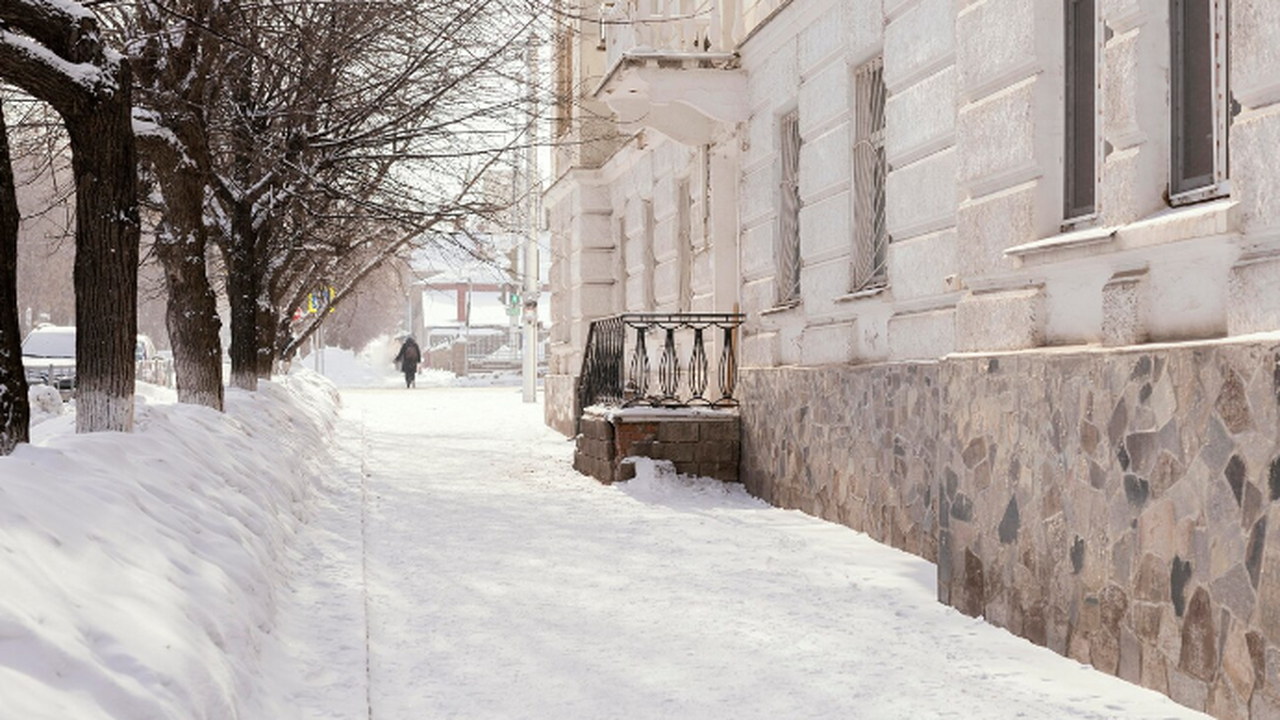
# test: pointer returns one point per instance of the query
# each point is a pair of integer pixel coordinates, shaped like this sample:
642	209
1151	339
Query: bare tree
54	51
177	57
351	132
15	412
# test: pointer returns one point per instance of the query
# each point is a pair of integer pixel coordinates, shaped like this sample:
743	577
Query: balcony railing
678	26
661	360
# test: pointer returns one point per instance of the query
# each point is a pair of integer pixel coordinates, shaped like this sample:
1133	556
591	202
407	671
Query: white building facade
1011	278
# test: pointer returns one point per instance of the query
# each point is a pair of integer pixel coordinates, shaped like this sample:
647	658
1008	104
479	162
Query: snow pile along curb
140	571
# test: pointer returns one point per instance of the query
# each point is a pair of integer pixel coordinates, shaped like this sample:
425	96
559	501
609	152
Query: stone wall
1114	507
851	444
1111	505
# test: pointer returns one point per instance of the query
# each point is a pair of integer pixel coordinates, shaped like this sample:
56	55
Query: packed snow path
496	582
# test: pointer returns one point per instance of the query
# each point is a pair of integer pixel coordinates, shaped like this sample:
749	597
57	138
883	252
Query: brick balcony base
699	443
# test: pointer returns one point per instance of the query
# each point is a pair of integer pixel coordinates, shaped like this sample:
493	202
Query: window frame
1219	183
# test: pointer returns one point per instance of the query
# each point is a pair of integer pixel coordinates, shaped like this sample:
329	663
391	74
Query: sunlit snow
426	553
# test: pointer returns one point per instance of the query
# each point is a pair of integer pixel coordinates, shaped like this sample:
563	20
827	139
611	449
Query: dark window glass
1081	98
1192	94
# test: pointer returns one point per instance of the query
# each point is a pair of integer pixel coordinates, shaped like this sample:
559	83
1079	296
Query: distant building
478	302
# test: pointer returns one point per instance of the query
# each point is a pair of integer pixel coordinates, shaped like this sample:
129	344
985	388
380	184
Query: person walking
409	357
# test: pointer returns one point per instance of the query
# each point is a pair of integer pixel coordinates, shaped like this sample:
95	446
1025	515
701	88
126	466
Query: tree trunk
104	162
15	411
191	314
244	280
267	331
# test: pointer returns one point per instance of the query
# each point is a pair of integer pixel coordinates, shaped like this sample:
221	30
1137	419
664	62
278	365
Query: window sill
1065	241
1214	217
1216	191
780	308
863	294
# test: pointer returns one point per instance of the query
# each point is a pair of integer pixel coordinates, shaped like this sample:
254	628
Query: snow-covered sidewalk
485	579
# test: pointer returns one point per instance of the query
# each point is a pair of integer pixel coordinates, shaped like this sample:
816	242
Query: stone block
826	344
1254	302
1187	690
1130	657
639	448
1255	51
920	267
678	431
1264	707
725	452
675	452
995	321
718	470
823	99
1124	309
720	430
994	40
821	39
825	223
922	335
921	116
920	198
626	471
986	227
918	41
997	138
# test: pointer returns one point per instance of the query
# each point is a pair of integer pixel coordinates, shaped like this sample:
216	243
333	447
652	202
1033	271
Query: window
1080	181
788	248
869	171
1198	152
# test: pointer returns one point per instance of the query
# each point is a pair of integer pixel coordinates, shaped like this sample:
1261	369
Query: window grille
871	240
1198	154
1080	184
789	212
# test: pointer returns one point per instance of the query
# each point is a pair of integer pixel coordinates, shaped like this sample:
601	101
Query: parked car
49	358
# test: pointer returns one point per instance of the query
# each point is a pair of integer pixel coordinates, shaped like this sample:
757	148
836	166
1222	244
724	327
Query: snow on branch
29	64
63	26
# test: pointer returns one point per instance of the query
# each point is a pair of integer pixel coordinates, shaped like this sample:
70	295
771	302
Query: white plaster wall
974	139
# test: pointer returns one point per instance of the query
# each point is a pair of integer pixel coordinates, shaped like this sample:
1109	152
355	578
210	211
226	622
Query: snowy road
496	582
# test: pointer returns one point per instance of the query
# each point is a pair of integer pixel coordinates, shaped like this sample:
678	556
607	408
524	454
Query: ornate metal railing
661	360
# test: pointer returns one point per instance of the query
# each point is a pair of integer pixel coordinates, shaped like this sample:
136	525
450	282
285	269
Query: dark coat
409	356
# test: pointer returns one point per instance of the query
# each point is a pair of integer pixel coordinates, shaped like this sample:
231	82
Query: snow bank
369	368
140	571
657	483
46	403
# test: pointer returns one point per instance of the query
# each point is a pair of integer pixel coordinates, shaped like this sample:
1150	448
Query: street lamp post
529	371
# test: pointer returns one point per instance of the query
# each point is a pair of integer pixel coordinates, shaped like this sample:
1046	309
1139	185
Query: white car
49	358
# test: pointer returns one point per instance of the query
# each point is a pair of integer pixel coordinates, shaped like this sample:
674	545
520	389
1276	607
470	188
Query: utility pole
531	284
